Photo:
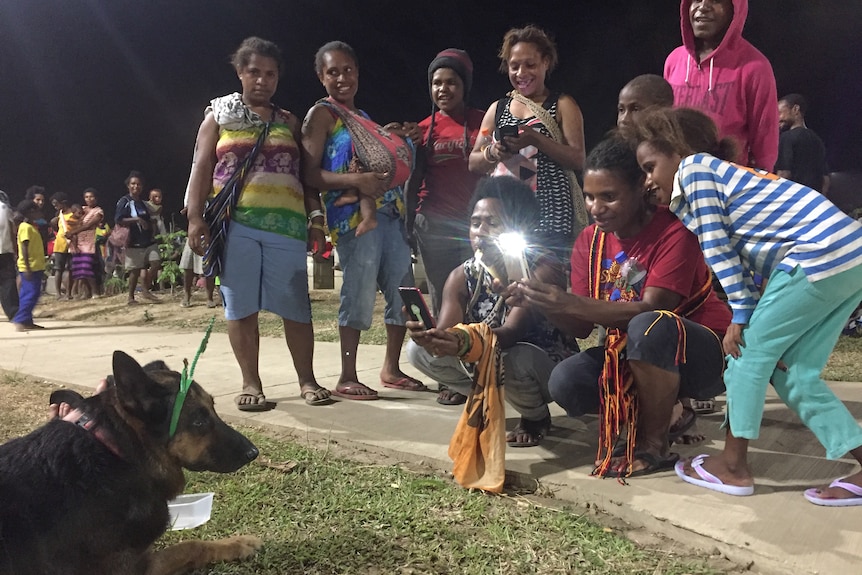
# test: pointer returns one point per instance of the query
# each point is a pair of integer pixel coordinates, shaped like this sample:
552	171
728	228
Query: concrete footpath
777	529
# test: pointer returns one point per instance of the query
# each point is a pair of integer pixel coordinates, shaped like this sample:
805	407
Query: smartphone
513	250
510	131
415	305
516	266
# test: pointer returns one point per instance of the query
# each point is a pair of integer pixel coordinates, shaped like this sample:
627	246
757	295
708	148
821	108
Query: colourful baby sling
376	148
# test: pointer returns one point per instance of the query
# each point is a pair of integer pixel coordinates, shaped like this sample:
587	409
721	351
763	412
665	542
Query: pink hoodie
734	85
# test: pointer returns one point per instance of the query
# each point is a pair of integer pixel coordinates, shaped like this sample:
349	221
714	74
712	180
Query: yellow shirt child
35	249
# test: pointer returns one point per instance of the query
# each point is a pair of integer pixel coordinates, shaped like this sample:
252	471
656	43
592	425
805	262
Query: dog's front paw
196	554
241	546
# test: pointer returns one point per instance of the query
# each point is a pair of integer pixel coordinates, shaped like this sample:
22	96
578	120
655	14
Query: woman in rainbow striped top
265	254
752	221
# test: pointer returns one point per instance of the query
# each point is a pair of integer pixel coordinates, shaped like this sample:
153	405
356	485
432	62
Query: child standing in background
60	252
640	94
812	254
31	266
154	206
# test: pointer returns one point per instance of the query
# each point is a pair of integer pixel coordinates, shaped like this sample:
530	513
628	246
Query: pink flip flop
708	480
405	384
812	495
347	388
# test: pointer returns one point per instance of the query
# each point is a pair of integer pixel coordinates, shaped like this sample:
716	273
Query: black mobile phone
510	131
415	305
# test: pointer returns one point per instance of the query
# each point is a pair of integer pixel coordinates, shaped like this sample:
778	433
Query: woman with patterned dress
264	260
86	261
345	152
536	136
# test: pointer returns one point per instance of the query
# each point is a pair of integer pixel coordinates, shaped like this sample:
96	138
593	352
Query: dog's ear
137	393
157	365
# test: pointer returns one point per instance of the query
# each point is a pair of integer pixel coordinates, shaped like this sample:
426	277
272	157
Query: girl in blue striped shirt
752	221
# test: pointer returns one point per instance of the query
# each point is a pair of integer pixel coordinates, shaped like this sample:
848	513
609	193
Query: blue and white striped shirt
748	220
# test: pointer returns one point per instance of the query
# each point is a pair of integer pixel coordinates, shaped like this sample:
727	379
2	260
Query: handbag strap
238	178
542	114
264	134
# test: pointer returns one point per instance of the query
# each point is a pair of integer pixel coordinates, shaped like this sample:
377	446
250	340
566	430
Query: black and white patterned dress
547	178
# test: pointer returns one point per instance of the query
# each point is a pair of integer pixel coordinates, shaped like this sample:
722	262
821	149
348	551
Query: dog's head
202	442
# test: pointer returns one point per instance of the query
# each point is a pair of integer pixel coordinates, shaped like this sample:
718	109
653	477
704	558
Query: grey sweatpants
527	369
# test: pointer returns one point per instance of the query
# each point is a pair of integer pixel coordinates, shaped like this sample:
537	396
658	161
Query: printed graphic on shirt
712	101
445	150
613	286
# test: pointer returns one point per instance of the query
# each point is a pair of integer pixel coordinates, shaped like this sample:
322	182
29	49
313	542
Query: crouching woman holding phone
531	346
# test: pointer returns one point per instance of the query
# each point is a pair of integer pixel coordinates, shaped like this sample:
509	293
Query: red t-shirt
671	257
449	183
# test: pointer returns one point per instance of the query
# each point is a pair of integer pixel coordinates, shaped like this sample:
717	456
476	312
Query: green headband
186	379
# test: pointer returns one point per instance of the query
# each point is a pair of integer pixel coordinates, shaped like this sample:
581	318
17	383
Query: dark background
94	88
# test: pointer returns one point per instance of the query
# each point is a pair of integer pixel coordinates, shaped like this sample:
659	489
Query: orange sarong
478	446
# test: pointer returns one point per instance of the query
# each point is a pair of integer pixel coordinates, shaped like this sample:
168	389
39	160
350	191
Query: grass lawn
319	513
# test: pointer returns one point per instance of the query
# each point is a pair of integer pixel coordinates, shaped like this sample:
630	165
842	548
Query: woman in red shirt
665	327
441	201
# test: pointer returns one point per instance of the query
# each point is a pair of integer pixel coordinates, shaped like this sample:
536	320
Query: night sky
94	88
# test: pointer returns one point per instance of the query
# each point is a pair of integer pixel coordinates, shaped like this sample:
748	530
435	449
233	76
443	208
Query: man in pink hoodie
717	71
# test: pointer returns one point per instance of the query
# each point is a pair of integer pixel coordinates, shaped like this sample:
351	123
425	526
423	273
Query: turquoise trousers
798	322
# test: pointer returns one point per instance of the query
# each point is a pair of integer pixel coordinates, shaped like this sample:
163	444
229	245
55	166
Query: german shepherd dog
92	498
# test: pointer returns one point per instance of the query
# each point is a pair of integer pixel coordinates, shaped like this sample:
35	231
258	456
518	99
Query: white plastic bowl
190	510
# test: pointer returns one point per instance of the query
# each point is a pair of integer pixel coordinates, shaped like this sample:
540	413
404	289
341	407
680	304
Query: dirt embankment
113	310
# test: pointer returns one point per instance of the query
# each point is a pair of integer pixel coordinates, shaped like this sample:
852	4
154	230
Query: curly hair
25	207
617	154
254	45
34	191
134	174
334	46
534	35
520	207
653	89
792	100
681	131
60	198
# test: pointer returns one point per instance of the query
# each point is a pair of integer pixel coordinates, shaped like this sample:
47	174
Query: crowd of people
66	239
706	273
82	247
